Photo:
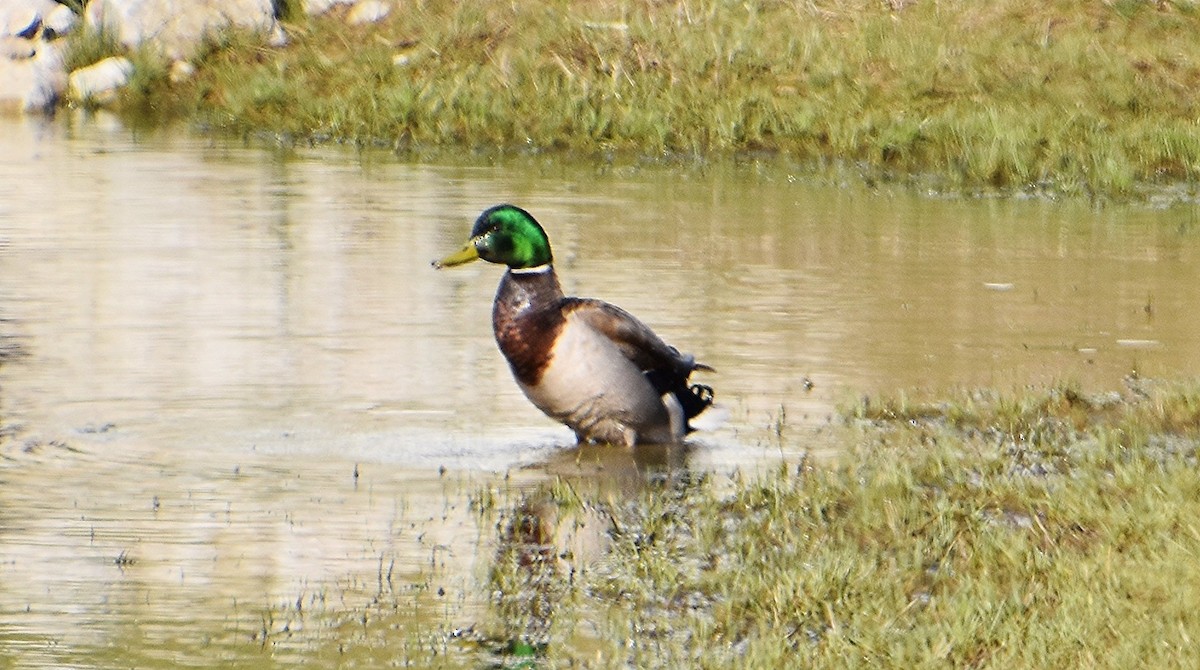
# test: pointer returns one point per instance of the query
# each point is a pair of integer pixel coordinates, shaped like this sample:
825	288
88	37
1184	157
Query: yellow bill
461	257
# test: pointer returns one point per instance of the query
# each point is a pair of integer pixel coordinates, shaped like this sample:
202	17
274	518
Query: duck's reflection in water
565	526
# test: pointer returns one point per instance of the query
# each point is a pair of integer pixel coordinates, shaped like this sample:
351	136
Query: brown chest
527	319
527	341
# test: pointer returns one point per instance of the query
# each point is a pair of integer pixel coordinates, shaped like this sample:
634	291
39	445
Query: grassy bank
1096	98
1040	530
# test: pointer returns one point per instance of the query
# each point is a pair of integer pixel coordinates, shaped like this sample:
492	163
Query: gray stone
181	71
314	7
20	18
58	22
99	83
176	27
278	38
16	48
34	84
368	11
49	79
16	77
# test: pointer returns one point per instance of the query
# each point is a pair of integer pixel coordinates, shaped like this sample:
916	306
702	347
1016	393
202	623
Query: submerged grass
1098	98
1045	529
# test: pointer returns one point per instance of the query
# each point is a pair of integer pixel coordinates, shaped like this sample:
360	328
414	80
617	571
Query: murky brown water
246	396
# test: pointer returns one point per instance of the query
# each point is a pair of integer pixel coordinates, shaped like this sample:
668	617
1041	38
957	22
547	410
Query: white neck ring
537	269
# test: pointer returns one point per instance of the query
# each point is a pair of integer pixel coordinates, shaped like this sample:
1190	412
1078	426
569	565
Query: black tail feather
693	399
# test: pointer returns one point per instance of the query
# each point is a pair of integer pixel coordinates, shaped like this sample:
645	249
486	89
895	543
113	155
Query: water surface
243	391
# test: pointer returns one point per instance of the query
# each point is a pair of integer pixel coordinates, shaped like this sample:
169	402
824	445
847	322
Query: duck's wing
635	339
664	366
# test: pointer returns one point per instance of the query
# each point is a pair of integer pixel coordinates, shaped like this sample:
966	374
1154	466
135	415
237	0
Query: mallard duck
583	362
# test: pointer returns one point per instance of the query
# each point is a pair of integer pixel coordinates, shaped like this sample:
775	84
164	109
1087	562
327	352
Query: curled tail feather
693	399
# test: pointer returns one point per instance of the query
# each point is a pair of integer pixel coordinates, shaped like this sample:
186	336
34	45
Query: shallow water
244	395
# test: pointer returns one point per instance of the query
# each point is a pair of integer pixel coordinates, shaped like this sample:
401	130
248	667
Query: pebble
368	11
181	71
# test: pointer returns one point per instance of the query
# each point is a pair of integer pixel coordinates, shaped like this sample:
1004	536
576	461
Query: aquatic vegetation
931	541
1017	95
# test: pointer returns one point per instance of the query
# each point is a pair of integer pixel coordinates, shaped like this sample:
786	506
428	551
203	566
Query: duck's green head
504	234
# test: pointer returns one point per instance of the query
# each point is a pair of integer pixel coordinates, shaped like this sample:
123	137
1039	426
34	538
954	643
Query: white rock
177	26
20	18
100	82
181	71
16	78
368	11
16	48
34	84
49	79
408	57
278	37
59	21
314	7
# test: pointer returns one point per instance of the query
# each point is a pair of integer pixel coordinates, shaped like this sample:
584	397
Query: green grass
1045	529
148	98
1097	99
91	45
